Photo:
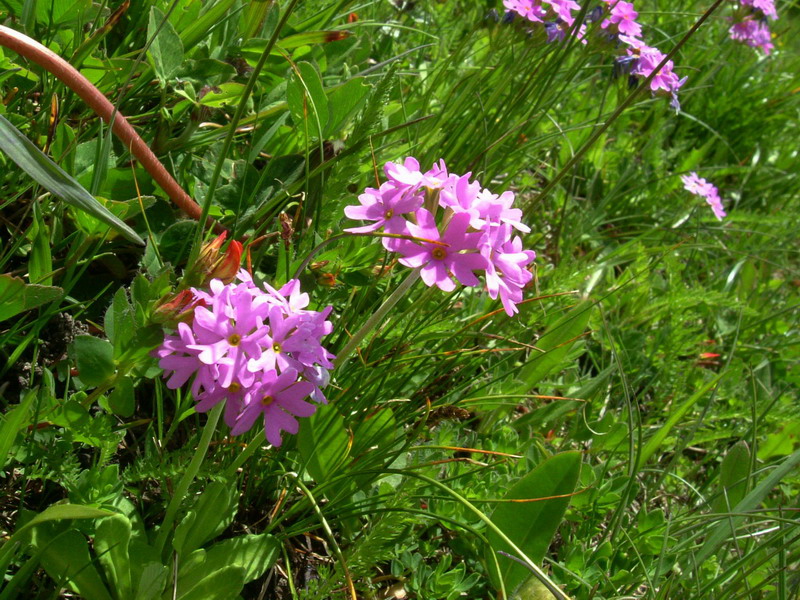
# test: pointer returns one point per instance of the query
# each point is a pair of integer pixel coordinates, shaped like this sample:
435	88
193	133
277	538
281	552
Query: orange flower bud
214	264
179	308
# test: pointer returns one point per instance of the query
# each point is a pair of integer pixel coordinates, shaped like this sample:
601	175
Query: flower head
700	187
473	235
245	344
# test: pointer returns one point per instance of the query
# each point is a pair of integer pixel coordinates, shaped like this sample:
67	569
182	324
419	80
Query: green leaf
111	546
66	559
531	525
555	343
675	417
323	443
166	51
734	474
95	359
40	263
119	322
345	101
11	422
16	296
214	512
306	99
55	180
122	400
58	512
253	17
252	553
152	581
223	584
750	502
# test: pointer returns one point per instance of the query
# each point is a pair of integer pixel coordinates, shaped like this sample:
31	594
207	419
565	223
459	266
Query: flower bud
214	264
176	309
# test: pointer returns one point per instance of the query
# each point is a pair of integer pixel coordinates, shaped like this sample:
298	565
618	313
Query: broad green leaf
253	553
734	473
212	514
323	443
122	400
119	322
152	581
727	527
781	442
224	584
225	94
57	512
111	547
307	101
16	296
555	343
166	51
55	180
532	525
344	102
11	422
66	559
290	42
95	359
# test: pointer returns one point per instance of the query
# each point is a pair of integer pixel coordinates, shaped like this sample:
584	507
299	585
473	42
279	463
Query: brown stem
51	62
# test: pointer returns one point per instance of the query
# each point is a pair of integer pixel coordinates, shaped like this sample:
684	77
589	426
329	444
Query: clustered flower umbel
618	26
476	231
257	350
700	187
750	24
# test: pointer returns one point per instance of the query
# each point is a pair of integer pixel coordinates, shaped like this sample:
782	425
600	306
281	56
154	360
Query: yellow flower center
267	400
276	347
388	214
234	387
439	253
235	339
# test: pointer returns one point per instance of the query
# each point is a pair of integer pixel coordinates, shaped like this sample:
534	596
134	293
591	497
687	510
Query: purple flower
700	187
766	7
279	398
245	344
755	34
439	261
623	19
473	236
647	59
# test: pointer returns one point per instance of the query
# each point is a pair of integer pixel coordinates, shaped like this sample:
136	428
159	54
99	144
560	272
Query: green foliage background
655	363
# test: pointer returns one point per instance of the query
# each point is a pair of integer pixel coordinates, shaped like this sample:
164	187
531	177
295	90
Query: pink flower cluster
700	187
750	24
618	26
258	351
475	234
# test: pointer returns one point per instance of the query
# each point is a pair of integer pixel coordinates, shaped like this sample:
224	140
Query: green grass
657	342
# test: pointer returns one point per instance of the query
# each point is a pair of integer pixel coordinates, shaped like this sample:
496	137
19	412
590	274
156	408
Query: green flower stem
188	477
249	450
376	318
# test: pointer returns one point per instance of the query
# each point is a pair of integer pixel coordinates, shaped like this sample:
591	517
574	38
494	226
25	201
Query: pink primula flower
473	236
246	345
700	187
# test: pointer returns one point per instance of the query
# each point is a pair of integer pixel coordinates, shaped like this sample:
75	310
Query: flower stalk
377	317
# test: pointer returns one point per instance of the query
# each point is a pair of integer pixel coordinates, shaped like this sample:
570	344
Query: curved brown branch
51	62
